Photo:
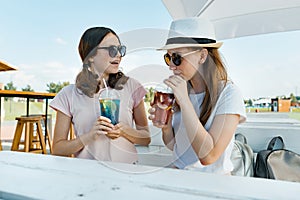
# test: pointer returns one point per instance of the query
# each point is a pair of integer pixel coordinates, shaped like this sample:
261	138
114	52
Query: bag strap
276	143
240	137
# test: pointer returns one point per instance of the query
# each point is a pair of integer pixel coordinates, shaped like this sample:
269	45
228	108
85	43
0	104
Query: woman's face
189	62
102	61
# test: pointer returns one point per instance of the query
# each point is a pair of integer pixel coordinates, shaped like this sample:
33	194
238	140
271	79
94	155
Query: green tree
250	102
28	88
9	86
56	87
149	95
293	98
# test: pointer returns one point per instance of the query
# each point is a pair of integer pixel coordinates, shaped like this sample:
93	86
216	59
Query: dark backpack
277	162
242	157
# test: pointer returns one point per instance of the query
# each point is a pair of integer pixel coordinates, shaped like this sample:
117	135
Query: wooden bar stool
48	136
34	141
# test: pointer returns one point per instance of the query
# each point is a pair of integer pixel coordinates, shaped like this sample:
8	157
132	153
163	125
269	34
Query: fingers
100	132
173	81
113	135
158	125
120	125
102	126
151	112
104	123
104	119
176	77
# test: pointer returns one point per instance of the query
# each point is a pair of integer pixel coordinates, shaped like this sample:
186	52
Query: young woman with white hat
209	106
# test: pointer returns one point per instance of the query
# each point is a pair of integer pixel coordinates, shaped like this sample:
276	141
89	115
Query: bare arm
64	147
61	145
141	134
209	145
168	135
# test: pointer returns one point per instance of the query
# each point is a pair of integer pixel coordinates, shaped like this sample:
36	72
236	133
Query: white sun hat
191	32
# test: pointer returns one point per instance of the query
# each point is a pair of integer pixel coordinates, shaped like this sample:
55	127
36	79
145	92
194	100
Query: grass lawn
295	115
14	109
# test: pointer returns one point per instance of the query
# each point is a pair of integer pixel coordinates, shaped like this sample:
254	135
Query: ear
203	56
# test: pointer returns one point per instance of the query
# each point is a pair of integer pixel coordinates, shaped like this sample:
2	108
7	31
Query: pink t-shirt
85	110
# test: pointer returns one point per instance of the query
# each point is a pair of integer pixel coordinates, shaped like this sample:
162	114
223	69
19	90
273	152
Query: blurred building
262	102
280	105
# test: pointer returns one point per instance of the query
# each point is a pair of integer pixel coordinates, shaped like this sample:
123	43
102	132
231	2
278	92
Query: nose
118	54
172	66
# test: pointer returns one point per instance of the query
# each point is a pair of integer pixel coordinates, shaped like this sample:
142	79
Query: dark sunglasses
176	58
113	50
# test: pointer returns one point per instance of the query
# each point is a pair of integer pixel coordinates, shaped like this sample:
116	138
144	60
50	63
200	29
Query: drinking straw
105	86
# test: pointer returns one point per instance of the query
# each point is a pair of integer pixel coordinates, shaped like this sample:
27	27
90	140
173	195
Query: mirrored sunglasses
176	58
113	50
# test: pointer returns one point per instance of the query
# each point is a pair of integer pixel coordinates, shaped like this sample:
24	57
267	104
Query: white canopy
237	18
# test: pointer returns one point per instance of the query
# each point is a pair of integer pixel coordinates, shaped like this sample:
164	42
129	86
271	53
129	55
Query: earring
201	61
91	60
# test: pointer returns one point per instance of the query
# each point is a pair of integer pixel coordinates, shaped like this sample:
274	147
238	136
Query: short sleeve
138	92
231	102
61	101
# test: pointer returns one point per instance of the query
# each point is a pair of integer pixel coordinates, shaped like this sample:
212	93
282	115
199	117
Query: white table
27	176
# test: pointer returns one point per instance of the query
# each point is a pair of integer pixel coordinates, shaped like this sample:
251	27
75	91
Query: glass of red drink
162	102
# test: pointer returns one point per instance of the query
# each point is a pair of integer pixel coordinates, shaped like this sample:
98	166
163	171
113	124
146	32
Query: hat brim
175	46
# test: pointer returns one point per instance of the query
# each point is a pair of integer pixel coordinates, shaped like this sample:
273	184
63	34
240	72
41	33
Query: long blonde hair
214	71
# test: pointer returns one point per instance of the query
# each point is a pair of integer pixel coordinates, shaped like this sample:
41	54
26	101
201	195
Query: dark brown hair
87	81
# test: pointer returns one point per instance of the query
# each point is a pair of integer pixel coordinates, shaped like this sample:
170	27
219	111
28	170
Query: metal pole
46	122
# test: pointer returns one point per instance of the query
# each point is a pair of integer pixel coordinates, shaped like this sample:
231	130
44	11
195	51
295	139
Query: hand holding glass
162	102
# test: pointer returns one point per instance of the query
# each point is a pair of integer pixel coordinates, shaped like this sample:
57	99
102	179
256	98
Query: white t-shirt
230	101
85	110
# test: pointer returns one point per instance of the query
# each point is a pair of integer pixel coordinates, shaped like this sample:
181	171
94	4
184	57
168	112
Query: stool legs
41	137
27	132
47	135
17	136
31	142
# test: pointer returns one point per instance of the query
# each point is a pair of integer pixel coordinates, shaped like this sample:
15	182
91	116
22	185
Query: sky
40	39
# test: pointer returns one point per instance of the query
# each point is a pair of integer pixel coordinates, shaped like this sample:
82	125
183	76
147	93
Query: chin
112	69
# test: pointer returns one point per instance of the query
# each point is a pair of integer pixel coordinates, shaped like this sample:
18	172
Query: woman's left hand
179	87
117	131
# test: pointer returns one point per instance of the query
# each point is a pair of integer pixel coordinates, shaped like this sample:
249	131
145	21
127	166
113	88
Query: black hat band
184	40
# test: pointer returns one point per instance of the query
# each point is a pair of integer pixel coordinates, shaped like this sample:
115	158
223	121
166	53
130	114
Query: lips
115	62
176	73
